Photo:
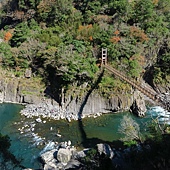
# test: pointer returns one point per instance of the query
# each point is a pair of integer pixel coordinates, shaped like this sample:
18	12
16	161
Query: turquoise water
20	144
28	137
8	114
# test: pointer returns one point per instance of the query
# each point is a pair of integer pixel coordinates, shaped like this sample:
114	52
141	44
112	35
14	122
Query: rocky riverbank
48	110
64	156
52	110
27	92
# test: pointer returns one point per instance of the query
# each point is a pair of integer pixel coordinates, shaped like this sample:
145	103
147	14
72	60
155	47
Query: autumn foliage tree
85	32
115	39
138	34
7	36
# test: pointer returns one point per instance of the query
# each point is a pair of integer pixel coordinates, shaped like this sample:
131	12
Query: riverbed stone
64	155
48	156
105	149
73	164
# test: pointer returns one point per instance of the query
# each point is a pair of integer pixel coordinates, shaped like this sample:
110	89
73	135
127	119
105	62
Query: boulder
48	156
64	155
53	166
138	107
69	143
73	164
28	73
105	149
79	154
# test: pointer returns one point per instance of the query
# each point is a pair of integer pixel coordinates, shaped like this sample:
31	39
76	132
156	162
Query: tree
7	36
130	129
54	12
6	57
21	33
77	64
118	6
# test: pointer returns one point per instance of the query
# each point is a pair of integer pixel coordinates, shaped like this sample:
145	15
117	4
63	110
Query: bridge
146	90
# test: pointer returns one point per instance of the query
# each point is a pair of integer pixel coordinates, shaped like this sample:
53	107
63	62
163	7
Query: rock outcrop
95	103
105	149
138	107
63	157
68	157
17	90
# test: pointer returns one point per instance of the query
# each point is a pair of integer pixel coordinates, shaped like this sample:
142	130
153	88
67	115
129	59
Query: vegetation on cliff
61	40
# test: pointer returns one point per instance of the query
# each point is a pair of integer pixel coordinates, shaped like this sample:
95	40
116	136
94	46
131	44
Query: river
28	137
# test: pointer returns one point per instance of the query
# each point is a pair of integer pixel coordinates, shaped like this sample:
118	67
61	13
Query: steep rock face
2	91
16	91
138	107
12	90
94	103
8	90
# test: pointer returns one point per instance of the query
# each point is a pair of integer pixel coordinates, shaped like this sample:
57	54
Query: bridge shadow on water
91	142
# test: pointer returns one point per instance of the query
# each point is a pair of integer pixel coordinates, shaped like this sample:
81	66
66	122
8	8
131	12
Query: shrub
131	130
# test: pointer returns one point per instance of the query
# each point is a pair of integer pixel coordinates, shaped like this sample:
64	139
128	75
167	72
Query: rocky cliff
16	91
24	91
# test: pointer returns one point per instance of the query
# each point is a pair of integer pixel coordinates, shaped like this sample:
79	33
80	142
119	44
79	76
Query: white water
160	113
49	146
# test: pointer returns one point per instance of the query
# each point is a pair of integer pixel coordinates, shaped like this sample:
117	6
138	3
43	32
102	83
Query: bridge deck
159	98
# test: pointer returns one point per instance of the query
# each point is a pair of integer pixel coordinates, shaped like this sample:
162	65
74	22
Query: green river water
27	143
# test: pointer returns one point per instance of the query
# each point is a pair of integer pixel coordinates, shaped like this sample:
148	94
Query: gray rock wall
98	104
9	90
12	90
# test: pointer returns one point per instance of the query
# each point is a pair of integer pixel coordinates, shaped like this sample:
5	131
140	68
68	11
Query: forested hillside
62	40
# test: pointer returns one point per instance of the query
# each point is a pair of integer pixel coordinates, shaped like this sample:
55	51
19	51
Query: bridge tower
104	56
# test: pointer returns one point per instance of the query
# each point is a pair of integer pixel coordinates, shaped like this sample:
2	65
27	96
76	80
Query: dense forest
62	40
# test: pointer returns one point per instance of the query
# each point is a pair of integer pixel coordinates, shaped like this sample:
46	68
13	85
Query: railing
145	90
159	98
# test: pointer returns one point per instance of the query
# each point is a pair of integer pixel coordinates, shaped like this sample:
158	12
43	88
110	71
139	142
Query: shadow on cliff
53	83
148	76
89	93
